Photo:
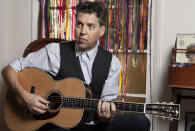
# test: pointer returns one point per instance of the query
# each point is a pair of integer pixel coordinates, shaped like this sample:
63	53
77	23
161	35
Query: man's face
88	30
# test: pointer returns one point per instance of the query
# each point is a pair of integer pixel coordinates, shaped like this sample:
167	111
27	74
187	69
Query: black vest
70	67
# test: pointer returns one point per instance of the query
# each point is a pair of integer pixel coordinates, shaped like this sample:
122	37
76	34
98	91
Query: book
185	48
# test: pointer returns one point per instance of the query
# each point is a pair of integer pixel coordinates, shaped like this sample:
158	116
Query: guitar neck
84	103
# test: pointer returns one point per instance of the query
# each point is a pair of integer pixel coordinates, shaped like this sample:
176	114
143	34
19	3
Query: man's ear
102	30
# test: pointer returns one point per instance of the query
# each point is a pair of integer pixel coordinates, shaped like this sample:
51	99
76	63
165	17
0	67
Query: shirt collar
90	54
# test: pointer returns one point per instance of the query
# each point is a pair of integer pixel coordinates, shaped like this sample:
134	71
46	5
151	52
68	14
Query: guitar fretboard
84	103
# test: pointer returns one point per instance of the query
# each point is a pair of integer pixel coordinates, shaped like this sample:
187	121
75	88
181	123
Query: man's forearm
11	78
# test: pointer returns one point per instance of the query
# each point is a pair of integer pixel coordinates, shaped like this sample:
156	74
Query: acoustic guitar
70	99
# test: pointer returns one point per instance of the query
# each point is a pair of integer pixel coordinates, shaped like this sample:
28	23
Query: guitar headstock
164	110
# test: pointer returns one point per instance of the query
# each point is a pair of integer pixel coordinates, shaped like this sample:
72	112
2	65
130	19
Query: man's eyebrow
78	21
90	24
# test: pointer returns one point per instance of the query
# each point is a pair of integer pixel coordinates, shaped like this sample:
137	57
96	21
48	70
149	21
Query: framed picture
190	121
185	45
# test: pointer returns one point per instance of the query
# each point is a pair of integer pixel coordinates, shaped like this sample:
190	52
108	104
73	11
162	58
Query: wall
3	46
15	34
169	18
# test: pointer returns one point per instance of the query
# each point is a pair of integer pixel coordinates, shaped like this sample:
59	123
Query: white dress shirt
48	59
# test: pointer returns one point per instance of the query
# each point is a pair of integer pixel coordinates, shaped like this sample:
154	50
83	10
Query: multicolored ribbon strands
58	19
126	33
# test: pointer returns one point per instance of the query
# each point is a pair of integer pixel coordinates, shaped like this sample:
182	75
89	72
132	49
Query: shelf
182	77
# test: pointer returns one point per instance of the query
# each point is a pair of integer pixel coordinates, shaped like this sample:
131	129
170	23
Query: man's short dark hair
93	7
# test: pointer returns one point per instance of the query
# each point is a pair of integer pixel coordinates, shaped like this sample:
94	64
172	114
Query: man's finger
107	109
38	111
99	107
113	109
103	108
42	100
43	104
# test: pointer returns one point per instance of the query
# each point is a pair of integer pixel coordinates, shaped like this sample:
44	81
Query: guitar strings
92	103
137	108
86	103
83	102
70	99
73	100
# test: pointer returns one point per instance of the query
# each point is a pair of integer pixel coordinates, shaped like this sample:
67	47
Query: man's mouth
82	39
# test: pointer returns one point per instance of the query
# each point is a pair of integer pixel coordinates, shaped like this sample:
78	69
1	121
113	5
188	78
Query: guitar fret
129	106
141	108
79	103
121	106
136	107
87	105
126	107
117	105
75	104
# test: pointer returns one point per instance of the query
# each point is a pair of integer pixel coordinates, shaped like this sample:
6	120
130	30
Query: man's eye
79	25
91	26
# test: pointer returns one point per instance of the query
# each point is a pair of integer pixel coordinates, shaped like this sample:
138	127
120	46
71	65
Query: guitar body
17	115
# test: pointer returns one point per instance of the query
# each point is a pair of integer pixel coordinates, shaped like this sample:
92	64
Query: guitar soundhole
55	101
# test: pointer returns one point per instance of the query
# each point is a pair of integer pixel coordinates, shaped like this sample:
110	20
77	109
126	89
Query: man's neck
78	49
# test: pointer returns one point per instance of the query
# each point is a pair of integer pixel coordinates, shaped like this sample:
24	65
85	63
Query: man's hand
106	111
36	104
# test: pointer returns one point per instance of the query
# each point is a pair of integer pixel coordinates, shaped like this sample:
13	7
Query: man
85	60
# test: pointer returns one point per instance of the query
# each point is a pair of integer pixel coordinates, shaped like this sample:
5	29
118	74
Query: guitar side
17	115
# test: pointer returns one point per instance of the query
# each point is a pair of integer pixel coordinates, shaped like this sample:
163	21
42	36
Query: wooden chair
38	44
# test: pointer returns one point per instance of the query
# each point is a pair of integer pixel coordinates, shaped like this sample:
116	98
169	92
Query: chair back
38	44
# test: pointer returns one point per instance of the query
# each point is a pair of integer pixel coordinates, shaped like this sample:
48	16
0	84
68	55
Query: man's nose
84	30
